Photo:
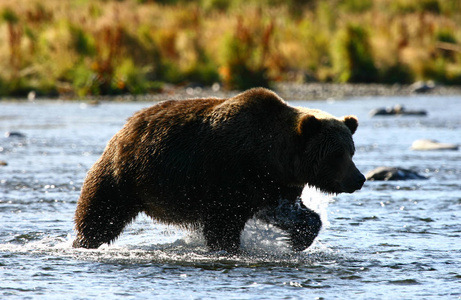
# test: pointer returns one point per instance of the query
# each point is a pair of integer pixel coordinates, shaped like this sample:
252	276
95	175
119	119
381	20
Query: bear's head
326	155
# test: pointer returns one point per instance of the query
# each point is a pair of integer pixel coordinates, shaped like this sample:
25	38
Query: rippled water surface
391	240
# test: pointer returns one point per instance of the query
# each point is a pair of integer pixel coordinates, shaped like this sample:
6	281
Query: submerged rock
427	144
397	110
391	173
3	163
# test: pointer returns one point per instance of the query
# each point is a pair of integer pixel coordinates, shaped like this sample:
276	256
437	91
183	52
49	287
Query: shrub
352	56
244	57
397	73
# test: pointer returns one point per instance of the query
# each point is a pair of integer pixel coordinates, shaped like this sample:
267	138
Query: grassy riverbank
79	48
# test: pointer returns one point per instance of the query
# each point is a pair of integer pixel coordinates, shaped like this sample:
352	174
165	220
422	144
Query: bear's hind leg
101	219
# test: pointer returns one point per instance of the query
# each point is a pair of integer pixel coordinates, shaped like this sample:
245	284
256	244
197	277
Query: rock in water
397	110
427	144
14	134
421	87
390	173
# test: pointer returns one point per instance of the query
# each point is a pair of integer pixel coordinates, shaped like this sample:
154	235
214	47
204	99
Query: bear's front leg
301	223
222	232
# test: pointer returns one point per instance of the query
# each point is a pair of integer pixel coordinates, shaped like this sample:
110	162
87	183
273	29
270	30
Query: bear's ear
309	125
352	123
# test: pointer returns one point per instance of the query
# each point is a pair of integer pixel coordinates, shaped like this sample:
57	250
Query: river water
391	240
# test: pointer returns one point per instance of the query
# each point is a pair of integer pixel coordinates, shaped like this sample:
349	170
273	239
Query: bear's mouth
329	191
351	188
336	188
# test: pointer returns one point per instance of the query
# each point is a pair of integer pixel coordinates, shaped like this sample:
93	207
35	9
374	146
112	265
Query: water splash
143	242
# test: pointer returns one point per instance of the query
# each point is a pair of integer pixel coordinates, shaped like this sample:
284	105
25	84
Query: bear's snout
354	183
360	180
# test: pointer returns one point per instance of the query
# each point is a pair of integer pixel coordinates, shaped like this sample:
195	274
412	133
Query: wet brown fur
213	163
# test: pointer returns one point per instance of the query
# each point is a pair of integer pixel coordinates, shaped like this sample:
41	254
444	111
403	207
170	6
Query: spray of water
146	242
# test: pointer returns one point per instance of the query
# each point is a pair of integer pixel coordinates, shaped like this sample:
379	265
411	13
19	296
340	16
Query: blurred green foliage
352	56
134	46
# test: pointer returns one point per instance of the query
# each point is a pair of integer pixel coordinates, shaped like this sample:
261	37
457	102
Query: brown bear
213	164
